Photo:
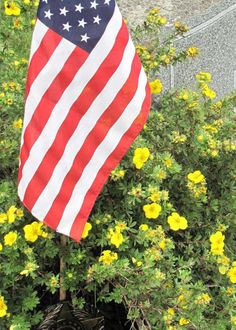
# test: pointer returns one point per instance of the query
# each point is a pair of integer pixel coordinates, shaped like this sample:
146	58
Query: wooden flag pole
62	270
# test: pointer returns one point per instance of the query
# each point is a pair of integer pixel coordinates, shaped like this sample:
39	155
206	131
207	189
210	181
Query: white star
78	7
45	1
84	37
48	14
94	4
107	2
66	26
96	19
82	23
63	11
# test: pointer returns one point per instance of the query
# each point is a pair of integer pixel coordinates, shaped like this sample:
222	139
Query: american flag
87	98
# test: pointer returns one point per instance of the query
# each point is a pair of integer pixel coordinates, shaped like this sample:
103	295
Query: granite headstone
212	29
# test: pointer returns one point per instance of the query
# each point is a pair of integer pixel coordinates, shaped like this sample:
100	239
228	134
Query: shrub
160	239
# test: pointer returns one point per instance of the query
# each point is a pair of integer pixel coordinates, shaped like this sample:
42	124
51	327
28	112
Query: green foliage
167	277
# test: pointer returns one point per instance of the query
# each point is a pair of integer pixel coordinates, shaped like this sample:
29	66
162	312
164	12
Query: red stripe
41	56
94	87
111	162
95	137
48	102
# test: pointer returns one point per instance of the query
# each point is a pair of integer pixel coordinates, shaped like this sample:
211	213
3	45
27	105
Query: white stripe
40	30
104	150
46	77
85	126
61	109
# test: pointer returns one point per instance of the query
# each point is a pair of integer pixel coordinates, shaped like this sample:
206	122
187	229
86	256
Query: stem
62	269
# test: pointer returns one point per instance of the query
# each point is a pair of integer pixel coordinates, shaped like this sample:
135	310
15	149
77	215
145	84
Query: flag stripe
101	154
86	124
111	162
46	77
48	43
69	96
47	103
40	30
54	153
95	137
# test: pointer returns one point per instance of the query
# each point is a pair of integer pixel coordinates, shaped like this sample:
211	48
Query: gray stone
212	29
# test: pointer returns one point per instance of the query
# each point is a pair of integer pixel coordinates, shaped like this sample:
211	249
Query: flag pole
62	291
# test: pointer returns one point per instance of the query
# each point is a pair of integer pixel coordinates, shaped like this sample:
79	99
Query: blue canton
83	22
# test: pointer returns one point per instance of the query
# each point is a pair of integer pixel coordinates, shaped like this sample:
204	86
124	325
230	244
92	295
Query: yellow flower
184	95
3	218
107	257
166	59
17	23
10	238
196	177
162	20
217	238
223	269
33	21
33	231
141	155
3	307
155	196
116	237
136	262
0	247
176	222
27	2
11	8
11	214
9	101
193	105
183	321
86	230
181	27
214	153
165	195
192	52
161	174
171	311
19	213
208	92
217	249
233	320
156	86
168	162
200	138
143	227
232	274
217	245
162	244
230	291
216	106
152	211
203	299
121	226
223	260
17	124
29	268
203	77
121	173
117	174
